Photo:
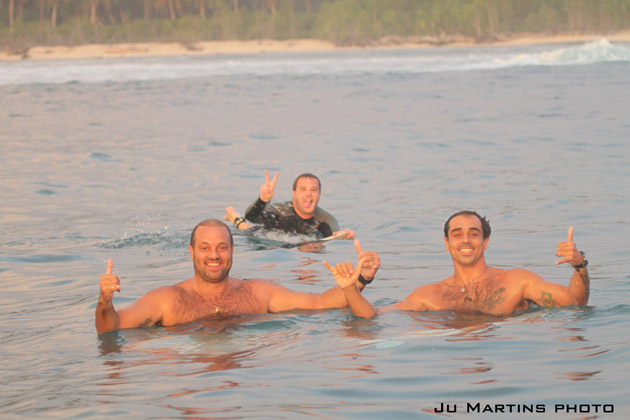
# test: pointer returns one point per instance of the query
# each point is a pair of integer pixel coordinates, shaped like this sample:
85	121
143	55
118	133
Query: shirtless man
476	287
301	215
211	292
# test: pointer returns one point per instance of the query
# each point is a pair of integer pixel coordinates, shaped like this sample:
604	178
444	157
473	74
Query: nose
466	237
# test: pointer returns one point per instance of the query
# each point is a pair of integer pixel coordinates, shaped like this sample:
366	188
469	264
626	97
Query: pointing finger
110	266
570	235
267	176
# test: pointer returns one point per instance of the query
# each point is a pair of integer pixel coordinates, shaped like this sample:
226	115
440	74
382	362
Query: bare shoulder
421	298
258	293
154	307
424	290
164	292
256	284
164	296
257	287
519	275
263	286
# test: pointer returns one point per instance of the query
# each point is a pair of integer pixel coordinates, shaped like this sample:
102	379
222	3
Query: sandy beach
150	49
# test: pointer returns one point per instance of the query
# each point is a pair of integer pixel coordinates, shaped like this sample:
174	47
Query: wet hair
213	223
485	224
307	175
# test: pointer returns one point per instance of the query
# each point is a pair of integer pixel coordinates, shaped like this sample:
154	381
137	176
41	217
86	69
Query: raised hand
568	251
345	274
109	282
230	214
267	189
372	261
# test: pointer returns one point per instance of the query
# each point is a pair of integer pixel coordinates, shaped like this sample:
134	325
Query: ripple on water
44	258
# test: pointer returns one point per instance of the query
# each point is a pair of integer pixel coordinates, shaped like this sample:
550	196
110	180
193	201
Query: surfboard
339	236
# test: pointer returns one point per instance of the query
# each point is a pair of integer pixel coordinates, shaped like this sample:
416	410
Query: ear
190	249
446	245
485	243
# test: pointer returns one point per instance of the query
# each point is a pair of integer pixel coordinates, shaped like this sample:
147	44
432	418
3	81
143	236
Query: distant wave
593	52
161	240
376	62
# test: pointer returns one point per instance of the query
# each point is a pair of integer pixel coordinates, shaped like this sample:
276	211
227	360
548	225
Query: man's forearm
579	287
106	317
336	297
332	298
255	211
359	305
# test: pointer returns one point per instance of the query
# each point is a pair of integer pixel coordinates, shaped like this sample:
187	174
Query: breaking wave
334	63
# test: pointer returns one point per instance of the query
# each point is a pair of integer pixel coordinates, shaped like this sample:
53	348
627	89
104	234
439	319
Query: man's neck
466	274
208	289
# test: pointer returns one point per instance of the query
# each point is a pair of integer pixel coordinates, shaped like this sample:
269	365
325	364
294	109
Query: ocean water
120	158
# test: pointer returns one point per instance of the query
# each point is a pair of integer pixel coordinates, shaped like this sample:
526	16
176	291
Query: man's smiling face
306	196
465	240
212	253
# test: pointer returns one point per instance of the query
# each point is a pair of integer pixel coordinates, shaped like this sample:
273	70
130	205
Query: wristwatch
584	263
363	281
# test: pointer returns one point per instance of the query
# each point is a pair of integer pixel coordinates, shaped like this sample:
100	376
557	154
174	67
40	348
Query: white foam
375	62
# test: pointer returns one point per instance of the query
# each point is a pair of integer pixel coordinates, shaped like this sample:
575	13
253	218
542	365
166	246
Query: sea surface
120	158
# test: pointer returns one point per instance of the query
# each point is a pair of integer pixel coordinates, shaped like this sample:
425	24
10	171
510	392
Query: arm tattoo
146	323
547	299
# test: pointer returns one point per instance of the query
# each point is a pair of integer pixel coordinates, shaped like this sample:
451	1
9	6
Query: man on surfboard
211	292
476	287
301	215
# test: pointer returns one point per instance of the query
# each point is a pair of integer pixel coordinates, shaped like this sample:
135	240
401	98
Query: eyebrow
458	229
208	243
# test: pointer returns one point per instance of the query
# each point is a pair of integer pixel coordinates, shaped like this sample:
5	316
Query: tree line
344	22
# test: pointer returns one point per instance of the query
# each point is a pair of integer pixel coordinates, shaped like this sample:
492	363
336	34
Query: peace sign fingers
271	183
267	189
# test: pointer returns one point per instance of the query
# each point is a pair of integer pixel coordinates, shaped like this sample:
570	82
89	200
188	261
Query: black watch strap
363	281
584	263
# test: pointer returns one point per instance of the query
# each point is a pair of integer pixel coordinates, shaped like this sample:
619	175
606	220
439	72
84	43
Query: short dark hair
213	223
307	175
485	224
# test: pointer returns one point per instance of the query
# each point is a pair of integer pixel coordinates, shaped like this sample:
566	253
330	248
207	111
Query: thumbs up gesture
109	282
568	251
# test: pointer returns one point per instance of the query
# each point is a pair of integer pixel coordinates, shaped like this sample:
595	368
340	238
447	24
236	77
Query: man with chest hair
211	292
475	287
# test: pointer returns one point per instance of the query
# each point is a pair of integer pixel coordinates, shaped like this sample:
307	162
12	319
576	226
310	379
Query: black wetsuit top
282	216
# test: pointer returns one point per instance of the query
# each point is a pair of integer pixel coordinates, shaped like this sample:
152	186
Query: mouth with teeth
466	249
213	264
